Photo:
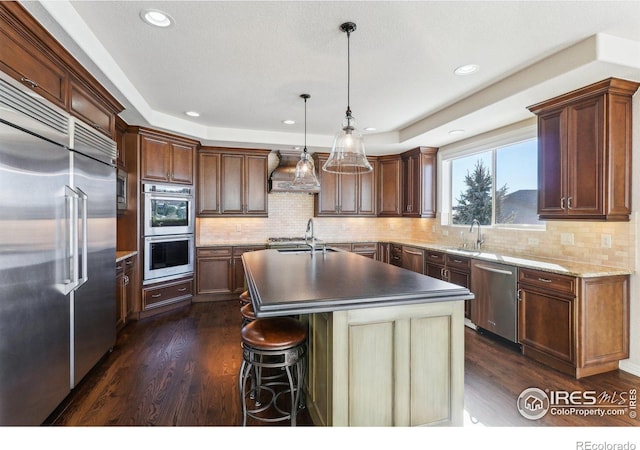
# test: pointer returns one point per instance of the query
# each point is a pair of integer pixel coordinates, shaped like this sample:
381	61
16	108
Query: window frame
491	141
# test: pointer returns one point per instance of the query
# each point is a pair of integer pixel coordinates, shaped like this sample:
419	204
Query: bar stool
245	298
248	315
277	344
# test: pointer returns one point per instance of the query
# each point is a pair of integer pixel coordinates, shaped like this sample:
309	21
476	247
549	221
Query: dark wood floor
181	368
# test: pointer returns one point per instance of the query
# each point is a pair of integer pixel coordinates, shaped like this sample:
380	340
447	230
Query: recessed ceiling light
370	129
192	114
467	69
456	132
288	122
156	18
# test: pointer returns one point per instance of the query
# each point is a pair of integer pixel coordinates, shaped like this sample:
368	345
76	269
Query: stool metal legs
256	371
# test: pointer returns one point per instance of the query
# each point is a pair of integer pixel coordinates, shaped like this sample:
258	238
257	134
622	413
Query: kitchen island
386	345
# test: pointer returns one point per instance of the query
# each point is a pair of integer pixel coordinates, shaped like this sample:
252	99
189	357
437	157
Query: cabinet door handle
126	280
545	280
30	82
519	295
569	202
562	203
413	253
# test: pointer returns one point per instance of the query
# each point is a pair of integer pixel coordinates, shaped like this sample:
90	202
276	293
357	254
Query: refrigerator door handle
83	272
70	268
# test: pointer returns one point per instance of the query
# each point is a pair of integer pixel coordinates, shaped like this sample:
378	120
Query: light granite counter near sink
582	270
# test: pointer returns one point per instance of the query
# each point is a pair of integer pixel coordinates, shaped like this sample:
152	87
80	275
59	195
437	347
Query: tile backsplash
289	213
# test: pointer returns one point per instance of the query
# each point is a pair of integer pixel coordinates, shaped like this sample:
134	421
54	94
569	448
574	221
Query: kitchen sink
297	251
466	251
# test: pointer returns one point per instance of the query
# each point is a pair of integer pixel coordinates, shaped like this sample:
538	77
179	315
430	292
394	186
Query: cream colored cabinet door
395	366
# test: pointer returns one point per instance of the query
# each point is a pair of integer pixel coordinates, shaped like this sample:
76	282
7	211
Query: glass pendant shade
347	152
305	176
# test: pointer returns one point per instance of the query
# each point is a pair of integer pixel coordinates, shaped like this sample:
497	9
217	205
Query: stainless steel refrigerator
57	253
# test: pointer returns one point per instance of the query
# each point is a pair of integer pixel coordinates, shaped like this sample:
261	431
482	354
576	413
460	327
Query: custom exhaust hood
281	179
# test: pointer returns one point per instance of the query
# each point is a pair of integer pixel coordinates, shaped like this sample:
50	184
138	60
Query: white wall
633	363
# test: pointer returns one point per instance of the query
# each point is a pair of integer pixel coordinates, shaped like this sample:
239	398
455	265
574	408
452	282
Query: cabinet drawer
90	110
157	296
213	251
130	262
459	262
548	280
238	251
432	257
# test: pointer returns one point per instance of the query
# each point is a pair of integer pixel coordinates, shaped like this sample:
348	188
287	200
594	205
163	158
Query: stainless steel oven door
166	214
168	257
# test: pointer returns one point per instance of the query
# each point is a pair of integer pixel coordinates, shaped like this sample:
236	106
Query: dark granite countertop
301	283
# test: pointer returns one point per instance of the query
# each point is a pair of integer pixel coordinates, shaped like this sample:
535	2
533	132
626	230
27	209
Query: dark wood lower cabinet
219	271
166	295
579	326
126	285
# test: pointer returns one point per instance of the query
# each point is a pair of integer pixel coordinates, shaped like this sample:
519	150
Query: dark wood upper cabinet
29	54
232	182
345	195
390	186
166	158
419	168
89	108
584	152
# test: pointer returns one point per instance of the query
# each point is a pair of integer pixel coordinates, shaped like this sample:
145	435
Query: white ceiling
243	64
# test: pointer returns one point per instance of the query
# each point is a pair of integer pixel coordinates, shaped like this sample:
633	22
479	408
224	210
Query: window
496	186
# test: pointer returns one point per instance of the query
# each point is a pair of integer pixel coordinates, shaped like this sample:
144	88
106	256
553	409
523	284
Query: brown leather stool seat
248	315
278	345
277	333
245	298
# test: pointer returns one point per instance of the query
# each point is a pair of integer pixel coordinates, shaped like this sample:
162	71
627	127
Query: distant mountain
524	205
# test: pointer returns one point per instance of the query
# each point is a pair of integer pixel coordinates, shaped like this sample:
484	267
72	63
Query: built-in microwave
167	257
121	190
168	209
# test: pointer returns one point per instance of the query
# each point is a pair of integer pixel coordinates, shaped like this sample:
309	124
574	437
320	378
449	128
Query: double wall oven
168	232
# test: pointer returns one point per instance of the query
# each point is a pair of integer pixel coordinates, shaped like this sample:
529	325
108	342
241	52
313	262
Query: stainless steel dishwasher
495	307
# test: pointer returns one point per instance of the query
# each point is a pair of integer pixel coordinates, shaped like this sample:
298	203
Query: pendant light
305	175
347	152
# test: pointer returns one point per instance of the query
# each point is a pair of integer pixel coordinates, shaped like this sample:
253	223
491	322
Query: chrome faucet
313	238
479	240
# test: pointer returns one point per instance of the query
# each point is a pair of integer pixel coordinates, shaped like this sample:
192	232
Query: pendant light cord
305	124
348	73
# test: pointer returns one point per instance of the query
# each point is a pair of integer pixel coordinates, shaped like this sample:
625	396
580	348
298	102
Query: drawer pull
545	280
182	289
434	256
457	261
31	83
156	295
